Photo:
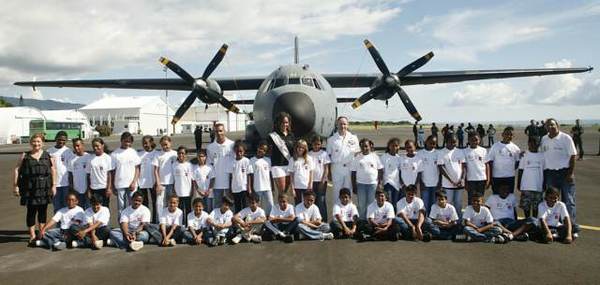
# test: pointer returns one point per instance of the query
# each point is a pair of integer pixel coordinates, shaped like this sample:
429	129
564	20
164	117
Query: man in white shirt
219	156
559	164
341	147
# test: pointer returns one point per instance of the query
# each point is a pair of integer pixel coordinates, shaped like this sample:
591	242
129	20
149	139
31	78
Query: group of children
184	209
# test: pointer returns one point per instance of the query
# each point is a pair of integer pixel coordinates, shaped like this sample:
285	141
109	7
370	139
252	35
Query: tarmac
327	262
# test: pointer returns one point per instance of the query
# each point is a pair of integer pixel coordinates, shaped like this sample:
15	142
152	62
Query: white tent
15	122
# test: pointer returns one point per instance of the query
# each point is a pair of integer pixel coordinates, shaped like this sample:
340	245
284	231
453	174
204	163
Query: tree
3	103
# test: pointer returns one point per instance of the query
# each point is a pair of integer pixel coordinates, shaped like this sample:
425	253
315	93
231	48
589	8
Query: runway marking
592	228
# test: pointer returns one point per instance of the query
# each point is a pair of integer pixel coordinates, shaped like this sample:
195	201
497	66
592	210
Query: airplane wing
242	83
432	77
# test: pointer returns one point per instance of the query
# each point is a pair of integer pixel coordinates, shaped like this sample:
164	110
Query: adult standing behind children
219	156
434	132
342	146
559	164
281	142
576	132
34	183
198	138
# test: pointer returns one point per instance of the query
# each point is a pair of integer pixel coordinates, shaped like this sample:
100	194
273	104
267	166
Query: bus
50	128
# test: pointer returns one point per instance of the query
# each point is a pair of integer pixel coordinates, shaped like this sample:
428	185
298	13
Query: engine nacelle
212	87
385	93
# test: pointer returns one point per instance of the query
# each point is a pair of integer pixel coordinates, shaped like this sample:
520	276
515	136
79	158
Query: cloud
485	94
566	89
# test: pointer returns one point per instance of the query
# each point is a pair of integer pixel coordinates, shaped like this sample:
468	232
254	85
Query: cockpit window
280	81
294	80
307	81
317	84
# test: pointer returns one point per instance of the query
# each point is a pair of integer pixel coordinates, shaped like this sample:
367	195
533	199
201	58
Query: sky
57	40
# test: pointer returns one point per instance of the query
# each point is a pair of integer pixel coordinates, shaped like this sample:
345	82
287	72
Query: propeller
390	82
201	86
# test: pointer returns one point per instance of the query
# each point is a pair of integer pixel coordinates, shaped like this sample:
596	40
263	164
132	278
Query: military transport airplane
305	94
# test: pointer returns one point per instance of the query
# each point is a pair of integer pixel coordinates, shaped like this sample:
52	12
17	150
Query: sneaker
360	237
236	239
57	246
426	237
522	237
499	239
555	236
39	243
221	240
461	238
214	242
509	237
74	244
288	238
255	238
98	244
575	235
109	242
328	236
136	245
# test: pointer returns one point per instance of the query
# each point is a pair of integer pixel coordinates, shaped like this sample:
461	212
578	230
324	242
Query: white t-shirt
277	212
553	216
379	215
301	170
412	209
532	165
202	175
67	217
476	159
341	149
431	173
502	208
505	157
320	161
557	151
347	212
102	216
391	164
164	161
77	166
452	161
61	160
146	179
479	219
220	156
182	176
135	217
366	167
220	218
261	174
168	218
410	168
124	163
446	214
197	223
307	214
98	168
247	214
239	170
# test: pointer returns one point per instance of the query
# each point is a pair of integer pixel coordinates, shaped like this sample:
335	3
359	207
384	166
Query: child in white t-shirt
220	223
126	171
239	176
99	173
96	230
345	217
503	157
146	181
379	224
430	176
411	217
479	224
77	174
197	224
367	173
530	180
391	171
282	221
410	167
163	172
300	168
554	223
55	238
61	155
169	231
478	170
503	207
134	219
451	162
310	223
320	172
204	181
444	224
249	221
261	177
182	178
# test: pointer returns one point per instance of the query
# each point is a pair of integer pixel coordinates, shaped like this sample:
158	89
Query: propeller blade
365	97
410	107
184	106
377	58
215	61
228	105
415	65
177	70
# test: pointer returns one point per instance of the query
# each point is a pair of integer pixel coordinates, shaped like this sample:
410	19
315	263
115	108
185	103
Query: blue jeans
394	195
266	200
484	236
366	196
443	233
123	199
455	198
320	190
218	197
281	228
428	196
512	224
102	233
116	236
59	200
84	202
558	179
208	204
156	236
53	236
405	229
314	234
206	236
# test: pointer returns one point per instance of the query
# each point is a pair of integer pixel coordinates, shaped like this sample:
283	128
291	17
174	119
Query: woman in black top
34	183
279	163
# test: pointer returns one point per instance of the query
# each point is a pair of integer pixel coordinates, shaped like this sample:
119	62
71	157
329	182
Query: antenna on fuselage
296	55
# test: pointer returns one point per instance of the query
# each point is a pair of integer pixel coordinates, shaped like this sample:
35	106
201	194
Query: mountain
41	104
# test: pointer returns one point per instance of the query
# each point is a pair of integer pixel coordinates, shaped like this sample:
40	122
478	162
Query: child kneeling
345	217
411	216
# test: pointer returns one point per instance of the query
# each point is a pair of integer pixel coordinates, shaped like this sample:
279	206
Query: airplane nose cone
300	107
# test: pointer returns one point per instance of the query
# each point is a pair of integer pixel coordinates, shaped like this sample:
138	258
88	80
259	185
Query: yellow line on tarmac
592	228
